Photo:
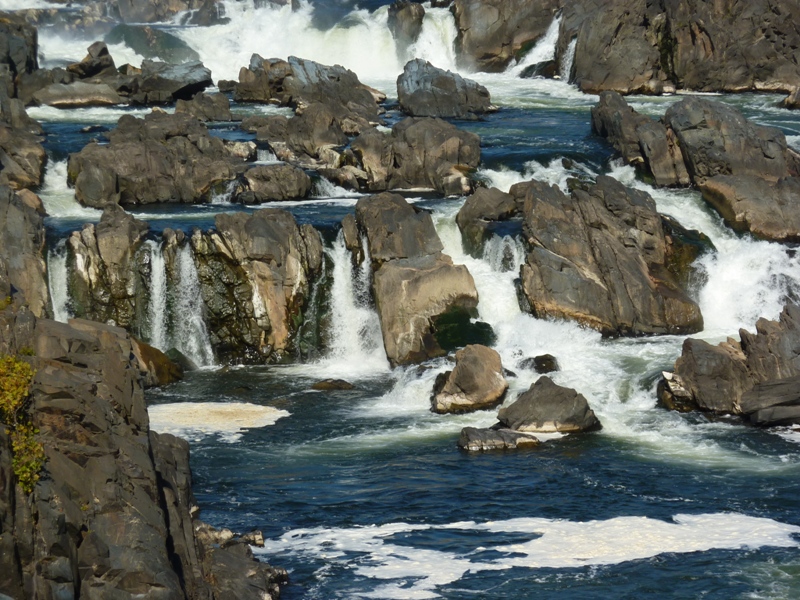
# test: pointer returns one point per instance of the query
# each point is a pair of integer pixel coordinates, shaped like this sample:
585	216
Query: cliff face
113	515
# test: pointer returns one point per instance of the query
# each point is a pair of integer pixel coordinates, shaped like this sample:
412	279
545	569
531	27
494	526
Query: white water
59	199
325	189
407	571
228	420
189	333
565	68
57	281
544	50
157	306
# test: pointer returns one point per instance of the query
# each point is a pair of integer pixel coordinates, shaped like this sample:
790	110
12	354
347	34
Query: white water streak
157	306
544	50
189	334
57	281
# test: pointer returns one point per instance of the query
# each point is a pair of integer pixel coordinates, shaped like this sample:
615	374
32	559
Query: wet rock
22	156
476	382
426	91
792	101
480	212
164	83
152	43
492	33
546	408
329	385
206	107
547	69
479	440
269	183
161	158
256	273
156	367
22	244
78	94
600	258
97	62
405	23
545	363
756	378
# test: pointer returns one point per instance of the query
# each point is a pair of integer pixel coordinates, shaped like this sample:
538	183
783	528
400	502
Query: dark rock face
405	23
163	83
160	11
97	62
757	377
113	515
161	158
476	382
600	258
22	258
473	439
19	45
426	91
206	107
256	273
152	43
413	282
269	183
22	156
546	408
480	211
492	33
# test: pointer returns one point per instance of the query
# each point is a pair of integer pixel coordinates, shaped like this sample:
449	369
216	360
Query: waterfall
565	68
436	41
189	334
57	281
224	196
543	51
157	305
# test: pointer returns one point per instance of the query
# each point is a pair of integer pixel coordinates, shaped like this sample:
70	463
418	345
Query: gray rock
153	44
163	83
547	408
405	23
426	91
480	211
206	107
480	440
78	94
476	382
18	44
97	62
269	183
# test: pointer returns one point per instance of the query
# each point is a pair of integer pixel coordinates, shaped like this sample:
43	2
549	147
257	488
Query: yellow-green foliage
28	453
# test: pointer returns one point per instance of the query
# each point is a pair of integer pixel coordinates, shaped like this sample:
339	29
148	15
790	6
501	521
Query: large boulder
77	94
256	273
474	439
758	377
480	213
96	63
206	107
19	44
270	183
475	383
405	23
161	158
548	408
152	43
601	257
427	91
492	33
164	83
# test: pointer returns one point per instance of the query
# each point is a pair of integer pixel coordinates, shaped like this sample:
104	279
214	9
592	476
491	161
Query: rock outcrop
113	514
427	91
474	439
19	45
22	156
758	377
405	23
476	383
414	284
269	183
161	158
206	107
482	211
256	273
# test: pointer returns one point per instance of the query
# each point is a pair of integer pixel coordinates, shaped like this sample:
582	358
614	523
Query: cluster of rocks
747	172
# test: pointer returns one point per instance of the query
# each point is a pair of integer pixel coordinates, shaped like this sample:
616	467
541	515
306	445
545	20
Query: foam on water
405	570
93	115
326	189
544	50
554	173
228	420
59	199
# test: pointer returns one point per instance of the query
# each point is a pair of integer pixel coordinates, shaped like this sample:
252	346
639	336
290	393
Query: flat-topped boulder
271	183
475	383
78	94
427	91
475	439
164	83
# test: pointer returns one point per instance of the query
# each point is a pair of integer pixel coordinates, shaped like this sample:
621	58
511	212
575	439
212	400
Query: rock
479	213
96	63
256	273
102	261
492	33
30	83
545	363
156	367
163	11
600	258
547	69
792	101
22	157
478	440
405	23
77	95
152	43
717	140
269	183
180	359
747	203
756	378
476	382
22	251
163	83
161	158
426	91
644	143
18	45
206	107
547	408
329	385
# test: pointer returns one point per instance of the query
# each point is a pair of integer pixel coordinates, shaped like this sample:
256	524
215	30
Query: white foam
193	420
93	115
325	189
793	141
57	283
59	199
544	50
408	571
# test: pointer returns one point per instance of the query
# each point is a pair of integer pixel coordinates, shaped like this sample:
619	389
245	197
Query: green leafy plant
28	453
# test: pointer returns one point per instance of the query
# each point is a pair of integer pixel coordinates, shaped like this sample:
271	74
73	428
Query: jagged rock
600	257
478	440
206	107
492	33
420	153
22	258
546	408
22	156
152	43
97	62
163	83
643	142
476	382
717	140
78	94
269	183
405	23
102	267
156	367
426	91
480	212
161	158
256	273
756	378
18	44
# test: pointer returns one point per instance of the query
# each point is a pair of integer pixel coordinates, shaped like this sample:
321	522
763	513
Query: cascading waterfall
189	333
544	50
157	306
565	69
57	281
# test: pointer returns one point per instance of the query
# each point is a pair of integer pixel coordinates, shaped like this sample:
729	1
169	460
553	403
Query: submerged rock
473	439
476	382
426	91
329	385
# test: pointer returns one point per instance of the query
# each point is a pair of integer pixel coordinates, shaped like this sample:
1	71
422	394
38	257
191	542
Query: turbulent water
363	493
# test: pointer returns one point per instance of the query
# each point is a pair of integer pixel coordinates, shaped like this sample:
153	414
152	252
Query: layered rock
414	284
256	273
113	514
22	156
426	91
492	33
475	439
161	158
758	377
476	383
601	257
19	45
